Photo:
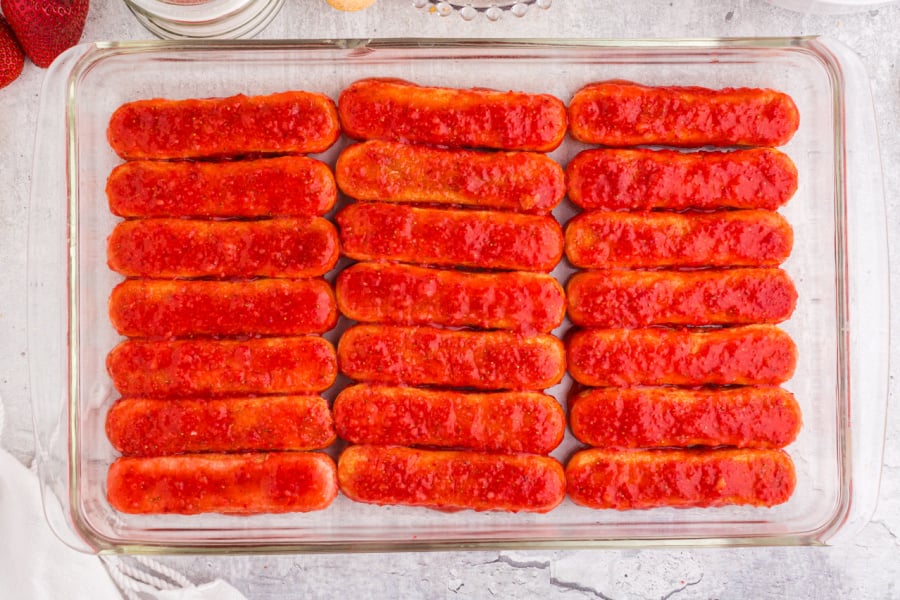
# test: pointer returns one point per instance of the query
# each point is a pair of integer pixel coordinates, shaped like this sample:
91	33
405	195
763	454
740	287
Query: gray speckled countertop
867	566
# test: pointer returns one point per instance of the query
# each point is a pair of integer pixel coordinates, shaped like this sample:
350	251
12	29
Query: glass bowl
492	9
205	19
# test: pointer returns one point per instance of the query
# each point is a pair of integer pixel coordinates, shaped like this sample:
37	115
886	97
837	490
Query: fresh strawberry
46	27
11	58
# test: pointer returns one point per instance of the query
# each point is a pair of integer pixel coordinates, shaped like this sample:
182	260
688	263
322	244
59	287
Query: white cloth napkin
144	578
36	565
33	562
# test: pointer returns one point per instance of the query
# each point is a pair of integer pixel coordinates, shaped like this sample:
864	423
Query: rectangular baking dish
839	264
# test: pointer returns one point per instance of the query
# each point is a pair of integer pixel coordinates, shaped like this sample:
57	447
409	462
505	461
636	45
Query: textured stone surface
868	566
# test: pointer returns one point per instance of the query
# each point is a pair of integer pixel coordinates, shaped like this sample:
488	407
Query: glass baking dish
839	264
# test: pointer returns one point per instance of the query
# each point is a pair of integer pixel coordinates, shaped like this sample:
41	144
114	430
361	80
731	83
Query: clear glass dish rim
99	50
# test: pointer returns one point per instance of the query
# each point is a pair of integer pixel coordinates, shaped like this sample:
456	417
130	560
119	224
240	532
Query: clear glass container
491	9
205	19
839	264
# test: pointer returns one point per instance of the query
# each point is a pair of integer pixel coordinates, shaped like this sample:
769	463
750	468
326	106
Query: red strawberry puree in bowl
200	19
